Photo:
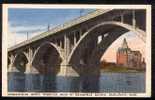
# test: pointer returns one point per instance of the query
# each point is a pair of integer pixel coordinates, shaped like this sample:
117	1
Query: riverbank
120	69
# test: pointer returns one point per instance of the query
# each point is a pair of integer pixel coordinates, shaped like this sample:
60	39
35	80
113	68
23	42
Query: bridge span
72	49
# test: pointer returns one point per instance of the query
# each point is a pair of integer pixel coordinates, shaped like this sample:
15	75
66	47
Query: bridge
73	48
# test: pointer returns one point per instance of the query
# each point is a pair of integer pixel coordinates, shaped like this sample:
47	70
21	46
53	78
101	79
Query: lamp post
27	34
81	11
48	27
15	38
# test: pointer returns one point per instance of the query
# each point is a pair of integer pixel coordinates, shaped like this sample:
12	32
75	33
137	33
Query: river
107	82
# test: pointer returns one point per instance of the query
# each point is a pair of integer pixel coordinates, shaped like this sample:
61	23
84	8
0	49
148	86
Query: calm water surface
107	82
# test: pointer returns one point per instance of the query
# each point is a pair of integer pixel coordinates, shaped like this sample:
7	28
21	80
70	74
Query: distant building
107	64
127	57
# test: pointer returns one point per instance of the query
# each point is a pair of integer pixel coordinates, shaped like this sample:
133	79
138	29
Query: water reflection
122	82
36	82
89	84
107	82
65	84
16	82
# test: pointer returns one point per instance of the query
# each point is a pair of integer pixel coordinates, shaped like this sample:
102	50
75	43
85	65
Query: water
107	82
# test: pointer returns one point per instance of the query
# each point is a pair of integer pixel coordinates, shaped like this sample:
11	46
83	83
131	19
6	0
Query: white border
75	94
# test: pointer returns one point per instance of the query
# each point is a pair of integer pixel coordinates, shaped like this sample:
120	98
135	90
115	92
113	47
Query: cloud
21	29
14	39
18	33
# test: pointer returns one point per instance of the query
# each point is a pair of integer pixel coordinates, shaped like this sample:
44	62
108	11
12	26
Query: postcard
53	50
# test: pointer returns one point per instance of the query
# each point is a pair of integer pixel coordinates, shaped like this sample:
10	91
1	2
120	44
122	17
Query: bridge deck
60	28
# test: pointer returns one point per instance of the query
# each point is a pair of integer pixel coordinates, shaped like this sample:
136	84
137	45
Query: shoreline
120	69
120	72
132	71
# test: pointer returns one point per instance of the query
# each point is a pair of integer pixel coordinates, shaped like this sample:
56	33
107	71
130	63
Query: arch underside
47	59
20	62
85	56
9	62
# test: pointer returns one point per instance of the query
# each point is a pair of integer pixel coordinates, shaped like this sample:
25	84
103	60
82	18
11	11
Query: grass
119	69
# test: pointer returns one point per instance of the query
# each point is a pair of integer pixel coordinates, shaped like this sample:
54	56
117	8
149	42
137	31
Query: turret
124	44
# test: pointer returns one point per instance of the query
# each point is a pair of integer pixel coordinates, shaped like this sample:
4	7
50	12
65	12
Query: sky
36	21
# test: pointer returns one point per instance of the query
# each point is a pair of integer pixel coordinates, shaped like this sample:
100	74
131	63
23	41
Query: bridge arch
20	62
113	29
9	61
47	58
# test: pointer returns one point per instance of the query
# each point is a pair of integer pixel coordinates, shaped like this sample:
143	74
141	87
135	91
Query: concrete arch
9	62
138	31
43	44
90	33
21	56
23	53
41	51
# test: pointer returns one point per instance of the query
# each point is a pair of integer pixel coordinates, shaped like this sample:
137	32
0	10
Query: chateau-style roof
124	44
124	47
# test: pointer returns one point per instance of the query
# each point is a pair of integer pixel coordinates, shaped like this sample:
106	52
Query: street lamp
48	27
15	38
81	11
27	34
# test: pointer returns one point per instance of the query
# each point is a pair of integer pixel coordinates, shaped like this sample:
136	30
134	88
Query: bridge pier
12	69
67	70
30	69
